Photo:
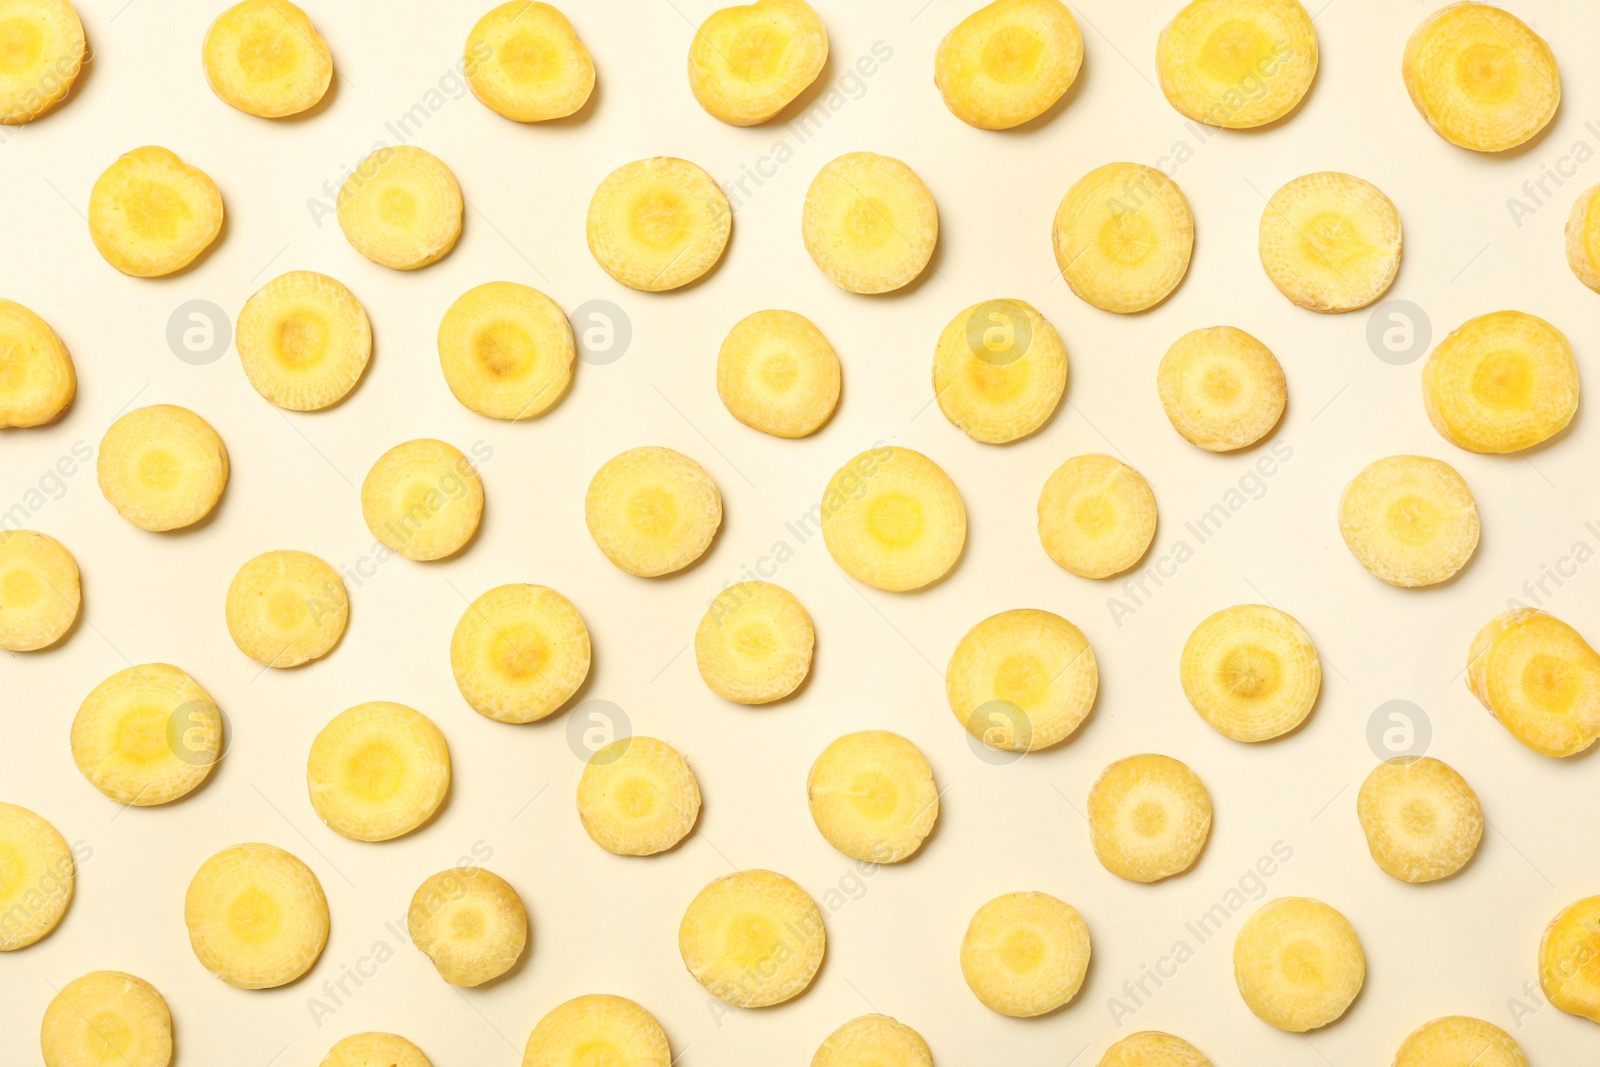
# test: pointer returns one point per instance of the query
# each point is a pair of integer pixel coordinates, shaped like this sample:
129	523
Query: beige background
608	924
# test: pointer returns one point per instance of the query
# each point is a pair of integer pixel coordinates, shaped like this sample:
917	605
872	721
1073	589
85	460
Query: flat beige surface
607	924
